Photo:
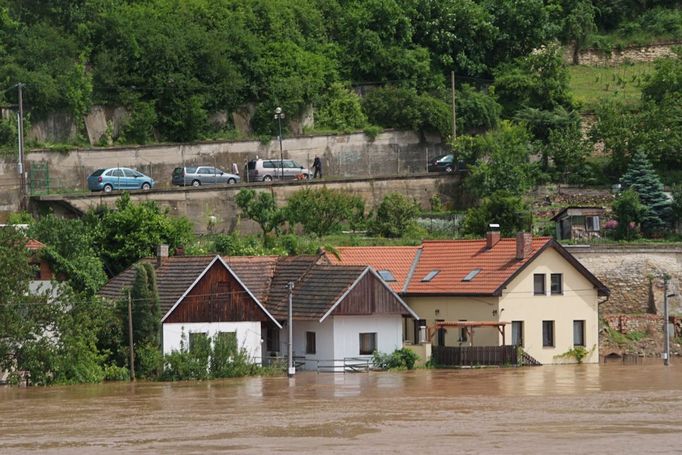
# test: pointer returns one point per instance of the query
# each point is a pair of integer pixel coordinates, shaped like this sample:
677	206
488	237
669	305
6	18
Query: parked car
442	163
119	178
202	175
268	170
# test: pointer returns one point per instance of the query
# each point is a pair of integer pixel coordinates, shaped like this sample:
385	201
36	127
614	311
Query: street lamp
279	115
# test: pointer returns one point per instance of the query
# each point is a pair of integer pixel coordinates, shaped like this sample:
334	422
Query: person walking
235	169
317	167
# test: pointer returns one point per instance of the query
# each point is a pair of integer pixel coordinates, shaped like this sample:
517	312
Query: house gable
217	296
370	295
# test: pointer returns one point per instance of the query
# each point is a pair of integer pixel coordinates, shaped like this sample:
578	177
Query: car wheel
146	186
231	181
196	183
449	169
107	188
267	178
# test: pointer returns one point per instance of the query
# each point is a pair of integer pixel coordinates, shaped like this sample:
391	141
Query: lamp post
279	115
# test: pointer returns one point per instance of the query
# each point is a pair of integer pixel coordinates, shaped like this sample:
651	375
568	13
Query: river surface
611	408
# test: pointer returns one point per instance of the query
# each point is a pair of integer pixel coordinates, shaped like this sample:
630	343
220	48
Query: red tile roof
454	259
34	245
396	259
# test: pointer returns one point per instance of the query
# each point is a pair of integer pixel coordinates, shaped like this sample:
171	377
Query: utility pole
22	165
666	335
454	114
292	369
130	337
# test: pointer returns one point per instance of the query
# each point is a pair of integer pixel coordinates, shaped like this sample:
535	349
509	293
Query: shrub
139	127
400	359
395	216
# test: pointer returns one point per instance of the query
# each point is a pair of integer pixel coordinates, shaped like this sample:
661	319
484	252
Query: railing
345	365
474	355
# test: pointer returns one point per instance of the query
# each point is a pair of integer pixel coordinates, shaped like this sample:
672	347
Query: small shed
579	223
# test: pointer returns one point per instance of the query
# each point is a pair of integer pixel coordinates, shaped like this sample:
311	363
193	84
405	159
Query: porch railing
474	355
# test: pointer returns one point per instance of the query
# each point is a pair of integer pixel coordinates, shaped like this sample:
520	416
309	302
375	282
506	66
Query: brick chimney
161	254
523	245
180	250
491	239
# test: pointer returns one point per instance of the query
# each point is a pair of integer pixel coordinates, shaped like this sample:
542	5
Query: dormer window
471	275
386	275
430	276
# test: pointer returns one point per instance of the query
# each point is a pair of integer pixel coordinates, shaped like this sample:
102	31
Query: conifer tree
642	178
146	313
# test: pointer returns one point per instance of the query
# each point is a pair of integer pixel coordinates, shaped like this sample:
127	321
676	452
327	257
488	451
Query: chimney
492	236
523	245
161	254
180	250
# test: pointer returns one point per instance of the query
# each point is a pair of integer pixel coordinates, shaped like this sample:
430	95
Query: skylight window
386	275
471	275
430	276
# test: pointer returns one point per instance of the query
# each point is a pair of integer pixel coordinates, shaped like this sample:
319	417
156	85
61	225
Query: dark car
443	163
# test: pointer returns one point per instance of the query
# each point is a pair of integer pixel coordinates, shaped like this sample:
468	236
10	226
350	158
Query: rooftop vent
430	276
471	275
386	275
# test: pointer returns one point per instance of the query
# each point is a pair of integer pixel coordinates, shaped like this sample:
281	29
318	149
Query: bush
395	216
340	110
139	127
400	359
149	360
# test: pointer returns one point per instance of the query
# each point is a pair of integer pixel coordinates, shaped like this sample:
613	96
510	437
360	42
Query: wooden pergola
469	326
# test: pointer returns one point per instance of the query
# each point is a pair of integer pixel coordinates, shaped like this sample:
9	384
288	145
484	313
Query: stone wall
627	269
199	204
350	155
595	57
9	189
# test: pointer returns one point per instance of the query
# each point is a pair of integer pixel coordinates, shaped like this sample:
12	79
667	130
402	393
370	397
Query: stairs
526	360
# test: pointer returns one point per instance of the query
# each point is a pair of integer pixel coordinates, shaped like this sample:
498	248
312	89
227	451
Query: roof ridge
413	268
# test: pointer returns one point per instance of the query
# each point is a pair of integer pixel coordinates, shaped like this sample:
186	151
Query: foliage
405	108
568	151
578	22
145	307
541	122
539	80
340	109
666	78
477	111
502	160
509	211
139	126
676	205
132	230
321	211
261	208
578	353
629	212
395	216
641	178
400	359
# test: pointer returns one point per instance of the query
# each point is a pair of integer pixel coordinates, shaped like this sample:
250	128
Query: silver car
268	170
202	175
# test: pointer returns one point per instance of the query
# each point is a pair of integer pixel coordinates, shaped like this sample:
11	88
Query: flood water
611	408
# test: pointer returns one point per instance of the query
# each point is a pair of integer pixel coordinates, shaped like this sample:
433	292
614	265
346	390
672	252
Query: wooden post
130	337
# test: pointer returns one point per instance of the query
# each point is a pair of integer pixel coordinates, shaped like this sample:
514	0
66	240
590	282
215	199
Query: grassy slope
592	84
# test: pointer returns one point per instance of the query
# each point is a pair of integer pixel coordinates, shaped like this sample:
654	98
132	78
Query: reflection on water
581	409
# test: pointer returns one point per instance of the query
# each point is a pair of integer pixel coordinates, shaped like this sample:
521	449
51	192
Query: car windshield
98	172
446	158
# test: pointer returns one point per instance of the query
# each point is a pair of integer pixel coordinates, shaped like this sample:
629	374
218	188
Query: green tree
477	111
261	208
503	161
569	151
321	211
340	109
146	321
507	210
629	212
642	178
577	23
666	78
132	231
677	205
395	216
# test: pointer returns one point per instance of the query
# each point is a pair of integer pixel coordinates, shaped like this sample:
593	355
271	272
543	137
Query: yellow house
492	292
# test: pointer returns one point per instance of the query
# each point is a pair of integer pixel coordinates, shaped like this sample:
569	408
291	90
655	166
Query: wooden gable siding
369	296
217	297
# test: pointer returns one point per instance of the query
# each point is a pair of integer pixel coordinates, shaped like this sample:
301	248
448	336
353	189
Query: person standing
317	167
235	169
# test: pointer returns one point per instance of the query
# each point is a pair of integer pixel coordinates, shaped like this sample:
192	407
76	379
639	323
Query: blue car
119	178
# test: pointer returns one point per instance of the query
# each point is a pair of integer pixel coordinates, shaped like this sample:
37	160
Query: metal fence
474	355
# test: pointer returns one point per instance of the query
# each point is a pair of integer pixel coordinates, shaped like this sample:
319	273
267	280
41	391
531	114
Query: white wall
347	330
324	341
248	335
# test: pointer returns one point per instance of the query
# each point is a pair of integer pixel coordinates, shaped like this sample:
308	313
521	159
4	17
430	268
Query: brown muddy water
561	409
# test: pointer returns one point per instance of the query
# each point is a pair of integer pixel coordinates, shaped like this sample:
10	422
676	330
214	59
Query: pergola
469	326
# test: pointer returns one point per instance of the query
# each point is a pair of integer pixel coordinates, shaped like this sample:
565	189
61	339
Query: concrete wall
626	270
9	189
324	342
198	204
347	330
391	153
